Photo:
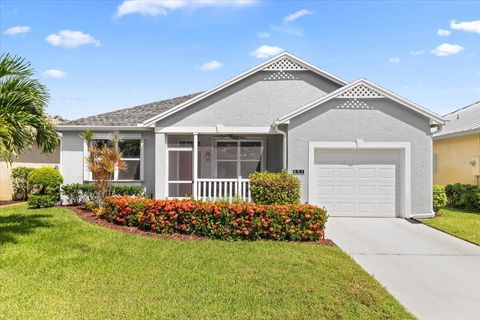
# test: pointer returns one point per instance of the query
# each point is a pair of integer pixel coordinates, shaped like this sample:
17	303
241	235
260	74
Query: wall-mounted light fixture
207	156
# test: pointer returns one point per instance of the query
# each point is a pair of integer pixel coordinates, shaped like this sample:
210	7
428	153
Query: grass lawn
53	265
463	224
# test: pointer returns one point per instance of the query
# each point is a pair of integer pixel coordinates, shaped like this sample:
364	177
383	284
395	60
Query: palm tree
23	100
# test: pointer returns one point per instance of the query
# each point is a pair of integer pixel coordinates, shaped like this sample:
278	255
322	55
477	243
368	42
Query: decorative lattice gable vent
281	75
361	91
354	104
284	64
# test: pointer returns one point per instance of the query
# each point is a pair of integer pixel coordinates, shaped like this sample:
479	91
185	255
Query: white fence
223	189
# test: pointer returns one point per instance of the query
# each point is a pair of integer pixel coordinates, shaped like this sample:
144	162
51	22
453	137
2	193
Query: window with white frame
132	153
236	158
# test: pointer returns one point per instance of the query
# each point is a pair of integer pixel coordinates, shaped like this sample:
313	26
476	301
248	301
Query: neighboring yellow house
33	158
456	148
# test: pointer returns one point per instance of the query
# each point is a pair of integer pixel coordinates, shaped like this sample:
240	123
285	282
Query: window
132	155
238	158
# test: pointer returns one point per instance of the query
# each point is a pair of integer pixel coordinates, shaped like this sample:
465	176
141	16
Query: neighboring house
34	159
357	148
456	148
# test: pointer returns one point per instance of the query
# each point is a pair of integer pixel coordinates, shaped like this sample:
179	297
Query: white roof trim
232	81
436	118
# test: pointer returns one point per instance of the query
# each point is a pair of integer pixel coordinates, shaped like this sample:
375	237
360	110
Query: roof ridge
459	109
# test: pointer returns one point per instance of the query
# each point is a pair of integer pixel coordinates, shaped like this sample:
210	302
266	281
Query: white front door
354	190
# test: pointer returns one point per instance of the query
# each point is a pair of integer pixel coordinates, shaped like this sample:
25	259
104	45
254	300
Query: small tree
439	197
102	162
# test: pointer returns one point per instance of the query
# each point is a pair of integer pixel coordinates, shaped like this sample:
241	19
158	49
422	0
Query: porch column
195	164
160	165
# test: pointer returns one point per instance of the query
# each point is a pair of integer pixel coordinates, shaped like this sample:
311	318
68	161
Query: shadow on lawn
19	224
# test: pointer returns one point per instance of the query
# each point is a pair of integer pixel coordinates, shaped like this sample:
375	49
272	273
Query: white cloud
394	60
443	32
17	30
161	7
210	66
417	53
265	51
54	73
263	35
468	26
296	15
71	39
447	49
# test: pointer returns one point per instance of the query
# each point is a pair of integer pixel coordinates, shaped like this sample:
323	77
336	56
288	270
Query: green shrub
439	197
73	192
274	188
44	182
79	194
121	190
42	200
219	220
19	177
463	196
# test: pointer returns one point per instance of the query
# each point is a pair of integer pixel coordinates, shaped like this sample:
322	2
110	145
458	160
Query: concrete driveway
434	275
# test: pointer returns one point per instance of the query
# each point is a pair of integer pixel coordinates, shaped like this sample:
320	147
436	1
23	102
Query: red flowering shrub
218	220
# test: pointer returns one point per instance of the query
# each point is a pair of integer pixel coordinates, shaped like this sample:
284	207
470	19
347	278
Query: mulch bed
10	202
90	217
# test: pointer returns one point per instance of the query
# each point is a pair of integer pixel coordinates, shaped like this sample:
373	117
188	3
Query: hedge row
219	220
463	196
78	193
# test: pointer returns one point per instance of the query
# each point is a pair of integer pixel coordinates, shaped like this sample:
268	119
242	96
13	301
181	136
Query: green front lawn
463	224
54	265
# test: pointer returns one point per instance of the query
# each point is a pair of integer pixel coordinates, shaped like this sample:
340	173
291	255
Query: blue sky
98	56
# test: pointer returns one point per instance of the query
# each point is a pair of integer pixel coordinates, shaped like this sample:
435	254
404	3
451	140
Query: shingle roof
462	121
130	116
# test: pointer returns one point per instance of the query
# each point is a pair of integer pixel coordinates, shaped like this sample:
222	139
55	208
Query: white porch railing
223	189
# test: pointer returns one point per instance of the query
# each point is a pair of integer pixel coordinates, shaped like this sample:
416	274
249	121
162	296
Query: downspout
284	149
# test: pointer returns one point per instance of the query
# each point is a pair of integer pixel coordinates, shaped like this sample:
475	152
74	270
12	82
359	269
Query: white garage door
354	190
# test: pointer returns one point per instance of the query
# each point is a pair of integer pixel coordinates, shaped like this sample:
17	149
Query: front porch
214	167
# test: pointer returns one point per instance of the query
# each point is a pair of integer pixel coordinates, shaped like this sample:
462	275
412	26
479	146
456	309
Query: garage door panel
325	190
387	173
365	173
324	172
345	173
347	190
355	190
346	208
386	190
366	190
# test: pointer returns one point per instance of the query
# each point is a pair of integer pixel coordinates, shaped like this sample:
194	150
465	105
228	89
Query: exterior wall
73	159
452	159
384	121
34	159
253	101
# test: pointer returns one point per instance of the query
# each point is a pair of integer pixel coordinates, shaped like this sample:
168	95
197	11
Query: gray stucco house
358	149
